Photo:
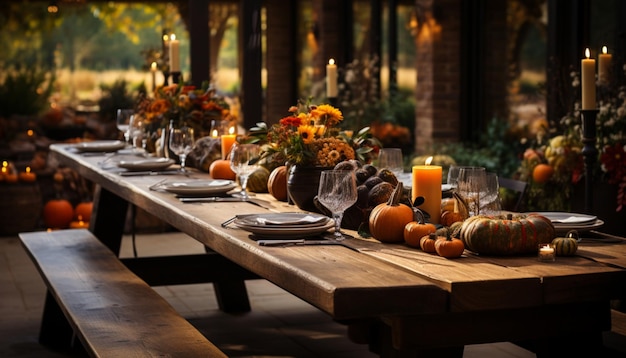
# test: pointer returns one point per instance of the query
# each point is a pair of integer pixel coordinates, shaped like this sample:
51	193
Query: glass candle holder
546	253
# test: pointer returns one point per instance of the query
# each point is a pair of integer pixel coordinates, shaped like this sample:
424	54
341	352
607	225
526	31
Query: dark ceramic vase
302	185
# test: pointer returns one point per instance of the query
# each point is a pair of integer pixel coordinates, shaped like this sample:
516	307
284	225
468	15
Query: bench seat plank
111	310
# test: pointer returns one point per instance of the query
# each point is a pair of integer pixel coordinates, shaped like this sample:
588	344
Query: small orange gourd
417	229
277	183
427	243
387	220
83	210
449	247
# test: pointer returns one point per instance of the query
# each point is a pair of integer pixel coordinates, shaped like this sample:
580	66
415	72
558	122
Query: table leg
108	218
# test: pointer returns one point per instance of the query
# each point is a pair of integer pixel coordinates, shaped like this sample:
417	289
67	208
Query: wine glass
453	174
470	183
391	158
181	143
490	196
337	192
244	160
124	119
138	134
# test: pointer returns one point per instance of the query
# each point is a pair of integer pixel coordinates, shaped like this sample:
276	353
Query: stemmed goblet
181	143
244	160
123	122
391	158
337	192
470	183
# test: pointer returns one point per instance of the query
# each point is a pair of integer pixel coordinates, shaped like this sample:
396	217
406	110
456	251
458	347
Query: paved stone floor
279	325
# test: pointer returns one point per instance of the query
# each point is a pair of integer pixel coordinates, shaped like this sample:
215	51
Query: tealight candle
426	182
80	224
11	178
27	176
546	252
227	141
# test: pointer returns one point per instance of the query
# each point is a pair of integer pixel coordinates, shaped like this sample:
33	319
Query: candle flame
429	160
231	130
587	53
153	66
214	133
173	37
30	133
331	61
604	50
5	164
166	38
27	169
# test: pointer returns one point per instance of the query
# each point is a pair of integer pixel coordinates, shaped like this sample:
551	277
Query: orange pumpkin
387	220
427	243
417	229
83	210
450	217
58	213
449	248
277	183
220	169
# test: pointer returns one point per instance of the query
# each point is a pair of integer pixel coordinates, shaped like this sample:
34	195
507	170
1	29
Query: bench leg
232	296
55	331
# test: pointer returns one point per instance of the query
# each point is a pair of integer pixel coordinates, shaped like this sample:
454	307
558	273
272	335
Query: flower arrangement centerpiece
310	136
307	141
195	107
554	164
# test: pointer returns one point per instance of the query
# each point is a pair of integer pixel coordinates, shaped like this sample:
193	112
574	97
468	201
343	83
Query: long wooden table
400	300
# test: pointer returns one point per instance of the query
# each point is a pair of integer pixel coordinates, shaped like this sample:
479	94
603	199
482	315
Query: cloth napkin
307	219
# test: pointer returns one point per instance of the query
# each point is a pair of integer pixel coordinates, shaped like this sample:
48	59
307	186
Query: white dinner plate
146	163
281	232
565	218
199	187
283	220
562	229
100	146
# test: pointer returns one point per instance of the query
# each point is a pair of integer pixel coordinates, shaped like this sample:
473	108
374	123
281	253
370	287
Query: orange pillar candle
27	176
604	65
427	184
227	142
588	70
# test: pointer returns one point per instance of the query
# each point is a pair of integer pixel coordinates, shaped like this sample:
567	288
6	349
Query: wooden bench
92	296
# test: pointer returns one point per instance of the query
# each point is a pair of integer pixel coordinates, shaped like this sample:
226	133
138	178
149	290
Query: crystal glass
490	196
453	174
123	121
470	182
181	142
244	160
138	133
337	192
391	158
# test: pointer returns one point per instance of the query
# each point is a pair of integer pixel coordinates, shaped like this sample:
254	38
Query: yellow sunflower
307	133
327	115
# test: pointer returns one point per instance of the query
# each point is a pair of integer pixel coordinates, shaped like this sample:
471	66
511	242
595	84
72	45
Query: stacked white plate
282	225
199	187
155	163
564	222
100	146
